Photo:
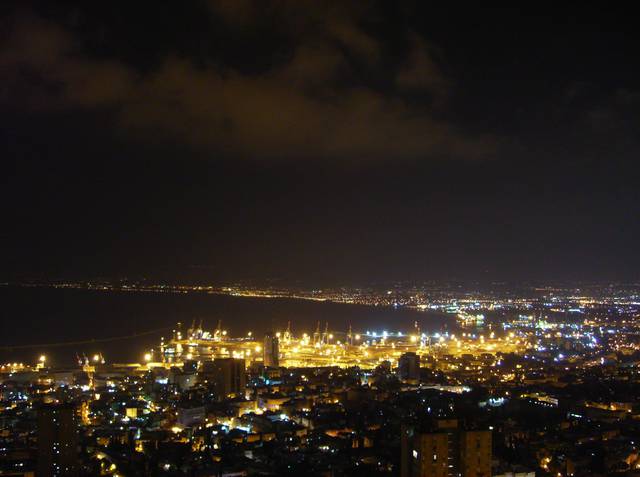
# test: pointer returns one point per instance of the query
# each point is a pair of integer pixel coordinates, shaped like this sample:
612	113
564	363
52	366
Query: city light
465	354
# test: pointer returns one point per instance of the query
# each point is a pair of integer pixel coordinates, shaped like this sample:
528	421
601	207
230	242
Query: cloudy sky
318	141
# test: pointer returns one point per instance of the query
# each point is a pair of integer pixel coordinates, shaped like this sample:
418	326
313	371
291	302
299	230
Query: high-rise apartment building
409	367
228	375
271	351
444	449
57	441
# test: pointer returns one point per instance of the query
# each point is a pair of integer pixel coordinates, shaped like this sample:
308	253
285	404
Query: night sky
322	142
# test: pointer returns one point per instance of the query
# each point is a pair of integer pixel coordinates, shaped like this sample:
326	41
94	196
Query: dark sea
48	318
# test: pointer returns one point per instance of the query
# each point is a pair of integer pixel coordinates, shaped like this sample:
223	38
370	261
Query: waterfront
30	315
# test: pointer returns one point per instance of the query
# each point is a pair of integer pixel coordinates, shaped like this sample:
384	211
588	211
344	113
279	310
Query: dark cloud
421	71
43	68
109	108
315	103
